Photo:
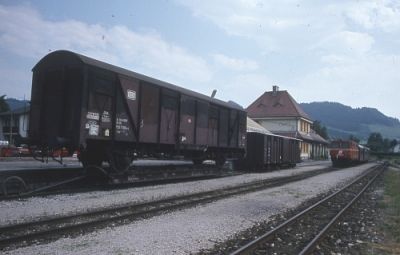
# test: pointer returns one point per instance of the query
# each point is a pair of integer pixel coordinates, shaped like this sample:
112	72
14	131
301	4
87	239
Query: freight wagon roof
363	147
97	63
311	137
254	127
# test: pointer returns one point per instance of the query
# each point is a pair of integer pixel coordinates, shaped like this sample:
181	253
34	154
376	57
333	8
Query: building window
304	147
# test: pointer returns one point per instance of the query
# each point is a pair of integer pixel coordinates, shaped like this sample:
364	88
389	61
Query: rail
252	246
52	227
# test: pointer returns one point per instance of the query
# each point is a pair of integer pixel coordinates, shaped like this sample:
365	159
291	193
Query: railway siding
303	232
38	207
193	229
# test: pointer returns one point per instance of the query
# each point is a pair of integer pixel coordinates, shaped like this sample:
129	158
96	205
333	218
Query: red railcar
111	114
347	152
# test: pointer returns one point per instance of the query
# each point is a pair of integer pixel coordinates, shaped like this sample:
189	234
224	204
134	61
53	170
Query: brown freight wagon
271	151
111	114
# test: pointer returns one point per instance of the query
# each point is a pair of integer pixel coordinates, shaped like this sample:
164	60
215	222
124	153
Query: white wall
281	125
23	124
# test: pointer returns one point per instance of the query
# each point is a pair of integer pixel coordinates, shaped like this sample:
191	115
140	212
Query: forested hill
16	103
343	121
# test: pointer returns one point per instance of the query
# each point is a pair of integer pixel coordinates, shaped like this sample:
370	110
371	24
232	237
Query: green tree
375	142
320	129
386	145
3	104
393	143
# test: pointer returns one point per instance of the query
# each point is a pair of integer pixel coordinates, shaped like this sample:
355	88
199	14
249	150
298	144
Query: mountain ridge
15	104
342	120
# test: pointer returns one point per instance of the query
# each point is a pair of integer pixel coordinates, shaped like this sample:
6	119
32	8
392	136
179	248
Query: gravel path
190	230
28	209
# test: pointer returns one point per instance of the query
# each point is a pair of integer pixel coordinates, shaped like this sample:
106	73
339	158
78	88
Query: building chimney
275	90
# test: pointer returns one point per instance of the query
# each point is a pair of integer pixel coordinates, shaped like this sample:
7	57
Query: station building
279	113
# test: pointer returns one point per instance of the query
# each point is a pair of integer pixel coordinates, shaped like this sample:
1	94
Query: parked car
9	151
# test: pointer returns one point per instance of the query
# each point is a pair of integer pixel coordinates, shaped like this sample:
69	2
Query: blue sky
344	51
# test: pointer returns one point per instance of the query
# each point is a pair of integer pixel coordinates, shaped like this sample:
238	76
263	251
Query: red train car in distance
347	153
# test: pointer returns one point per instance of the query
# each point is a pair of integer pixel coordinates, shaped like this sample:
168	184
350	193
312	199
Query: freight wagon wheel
92	162
120	160
90	158
220	161
19	185
197	161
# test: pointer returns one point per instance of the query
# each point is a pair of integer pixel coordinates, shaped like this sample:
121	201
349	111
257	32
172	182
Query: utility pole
11	127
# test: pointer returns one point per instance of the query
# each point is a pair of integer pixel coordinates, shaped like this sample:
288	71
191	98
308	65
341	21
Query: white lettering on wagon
122	126
93	116
105	117
94	129
131	94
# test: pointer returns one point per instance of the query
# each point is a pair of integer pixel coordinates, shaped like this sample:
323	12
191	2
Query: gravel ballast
36	207
194	229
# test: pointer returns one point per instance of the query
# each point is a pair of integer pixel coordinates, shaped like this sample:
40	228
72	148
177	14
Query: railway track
301	233
48	229
38	182
25	183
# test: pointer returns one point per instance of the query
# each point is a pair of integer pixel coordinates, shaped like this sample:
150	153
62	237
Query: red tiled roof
276	104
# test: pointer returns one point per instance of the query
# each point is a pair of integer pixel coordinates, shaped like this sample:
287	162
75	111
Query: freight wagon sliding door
53	104
275	150
280	150
223	127
202	123
100	106
242	129
267	149
286	150
256	150
233	128
169	116
212	139
187	124
60	105
127	110
149	110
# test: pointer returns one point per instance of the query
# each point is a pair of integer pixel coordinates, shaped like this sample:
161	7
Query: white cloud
289	25
234	63
337	47
346	42
243	88
382	14
274	25
358	81
15	81
318	51
25	32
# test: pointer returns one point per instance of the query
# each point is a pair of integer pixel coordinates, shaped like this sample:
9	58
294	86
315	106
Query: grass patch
391	207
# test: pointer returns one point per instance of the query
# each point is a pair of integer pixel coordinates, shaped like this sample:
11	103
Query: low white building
396	148
14	125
